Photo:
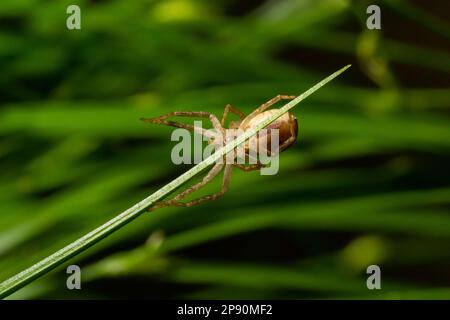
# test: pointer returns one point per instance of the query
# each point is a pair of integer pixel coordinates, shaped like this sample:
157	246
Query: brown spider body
286	125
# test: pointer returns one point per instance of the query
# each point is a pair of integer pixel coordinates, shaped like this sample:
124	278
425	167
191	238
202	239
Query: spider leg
176	200
267	105
250	167
286	143
229	108
255	164
212	197
194	114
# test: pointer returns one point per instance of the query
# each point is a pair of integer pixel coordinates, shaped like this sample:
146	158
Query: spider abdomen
286	126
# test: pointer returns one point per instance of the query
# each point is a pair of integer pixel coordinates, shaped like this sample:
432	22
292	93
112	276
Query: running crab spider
287	128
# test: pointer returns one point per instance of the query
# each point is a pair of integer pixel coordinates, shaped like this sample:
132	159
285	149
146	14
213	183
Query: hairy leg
176	200
286	143
248	168
193	114
211	197
229	108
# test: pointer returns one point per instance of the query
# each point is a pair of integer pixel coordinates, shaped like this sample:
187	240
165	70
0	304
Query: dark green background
366	183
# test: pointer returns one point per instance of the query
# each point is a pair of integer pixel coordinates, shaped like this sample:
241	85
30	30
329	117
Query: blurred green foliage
367	182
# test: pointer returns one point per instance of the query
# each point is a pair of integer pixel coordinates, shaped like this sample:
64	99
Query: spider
287	128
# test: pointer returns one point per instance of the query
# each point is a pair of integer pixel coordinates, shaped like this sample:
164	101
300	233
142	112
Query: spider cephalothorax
286	126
